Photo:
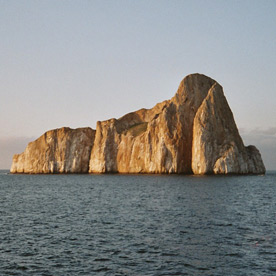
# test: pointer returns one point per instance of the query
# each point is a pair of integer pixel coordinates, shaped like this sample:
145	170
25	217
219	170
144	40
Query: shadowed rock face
61	150
194	132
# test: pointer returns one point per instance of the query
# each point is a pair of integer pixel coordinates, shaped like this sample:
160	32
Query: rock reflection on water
137	225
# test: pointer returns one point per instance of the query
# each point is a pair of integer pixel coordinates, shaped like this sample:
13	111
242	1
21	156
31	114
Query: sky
73	63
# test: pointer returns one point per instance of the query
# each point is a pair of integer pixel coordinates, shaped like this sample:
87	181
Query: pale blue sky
71	63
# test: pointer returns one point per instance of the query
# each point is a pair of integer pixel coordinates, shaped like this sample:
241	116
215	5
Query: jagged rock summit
193	133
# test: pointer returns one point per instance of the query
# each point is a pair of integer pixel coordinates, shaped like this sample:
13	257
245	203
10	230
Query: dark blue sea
62	225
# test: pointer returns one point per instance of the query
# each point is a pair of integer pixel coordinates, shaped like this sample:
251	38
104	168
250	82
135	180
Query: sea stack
193	133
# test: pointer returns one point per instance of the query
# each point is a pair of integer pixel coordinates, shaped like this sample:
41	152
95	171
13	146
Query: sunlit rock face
157	140
194	132
217	146
61	150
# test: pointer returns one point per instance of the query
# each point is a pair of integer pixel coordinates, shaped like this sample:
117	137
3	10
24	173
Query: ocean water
137	225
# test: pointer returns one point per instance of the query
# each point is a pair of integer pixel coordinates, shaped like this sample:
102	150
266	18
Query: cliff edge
194	132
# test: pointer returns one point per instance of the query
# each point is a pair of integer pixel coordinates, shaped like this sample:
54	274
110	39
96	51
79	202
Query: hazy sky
71	63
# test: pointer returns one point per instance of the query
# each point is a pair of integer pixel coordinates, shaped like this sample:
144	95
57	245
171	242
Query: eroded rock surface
217	146
194	132
158	140
61	150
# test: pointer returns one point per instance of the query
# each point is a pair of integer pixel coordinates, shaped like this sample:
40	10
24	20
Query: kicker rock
61	150
194	132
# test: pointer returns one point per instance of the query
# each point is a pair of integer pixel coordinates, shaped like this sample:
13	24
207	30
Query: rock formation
61	150
194	132
217	146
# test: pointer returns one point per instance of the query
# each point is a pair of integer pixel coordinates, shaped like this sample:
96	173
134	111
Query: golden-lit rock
217	146
194	132
61	150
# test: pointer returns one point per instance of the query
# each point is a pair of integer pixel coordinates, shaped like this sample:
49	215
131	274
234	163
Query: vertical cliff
158	140
194	132
61	150
217	146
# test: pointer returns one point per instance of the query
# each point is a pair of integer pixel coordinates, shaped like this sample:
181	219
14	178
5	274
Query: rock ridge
193	133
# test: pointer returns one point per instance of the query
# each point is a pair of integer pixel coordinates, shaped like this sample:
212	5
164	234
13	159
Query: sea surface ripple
58	225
